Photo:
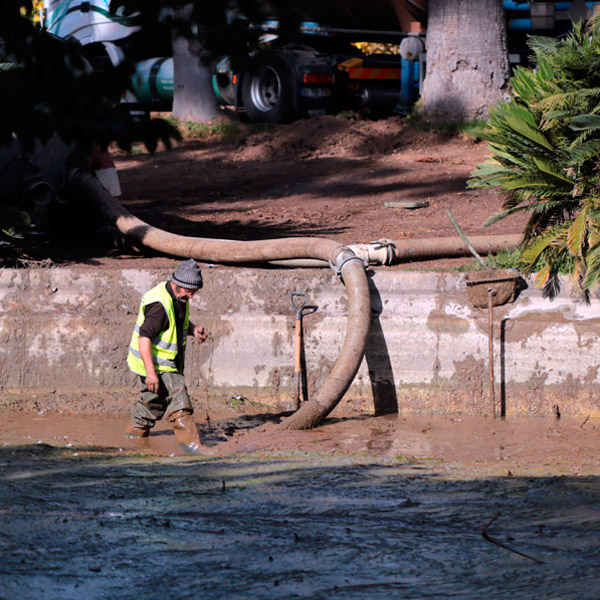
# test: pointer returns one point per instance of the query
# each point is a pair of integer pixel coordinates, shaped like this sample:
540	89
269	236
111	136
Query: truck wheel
267	91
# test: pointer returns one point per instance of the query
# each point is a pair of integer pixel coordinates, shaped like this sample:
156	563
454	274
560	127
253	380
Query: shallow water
316	527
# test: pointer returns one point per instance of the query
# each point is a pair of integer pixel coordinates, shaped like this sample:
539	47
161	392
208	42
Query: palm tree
545	156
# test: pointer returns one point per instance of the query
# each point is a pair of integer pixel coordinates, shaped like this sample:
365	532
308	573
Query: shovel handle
297	346
301	308
298	301
297	361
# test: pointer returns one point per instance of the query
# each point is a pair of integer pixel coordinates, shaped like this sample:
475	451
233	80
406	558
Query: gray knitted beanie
188	275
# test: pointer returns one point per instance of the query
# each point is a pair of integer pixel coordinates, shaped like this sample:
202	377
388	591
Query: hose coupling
390	248
344	257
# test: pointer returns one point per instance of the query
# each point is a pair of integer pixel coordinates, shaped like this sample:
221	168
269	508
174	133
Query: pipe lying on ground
450	247
388	252
350	268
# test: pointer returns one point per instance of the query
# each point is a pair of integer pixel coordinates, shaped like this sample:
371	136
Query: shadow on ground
255	527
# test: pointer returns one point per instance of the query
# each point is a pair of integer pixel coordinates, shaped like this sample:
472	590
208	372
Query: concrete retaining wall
64	335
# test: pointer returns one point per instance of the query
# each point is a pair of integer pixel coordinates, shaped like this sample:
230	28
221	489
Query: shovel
298	300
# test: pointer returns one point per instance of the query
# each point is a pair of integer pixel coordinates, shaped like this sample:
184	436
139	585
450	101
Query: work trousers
172	396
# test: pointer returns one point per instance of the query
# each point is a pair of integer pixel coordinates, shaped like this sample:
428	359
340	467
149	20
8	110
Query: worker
157	353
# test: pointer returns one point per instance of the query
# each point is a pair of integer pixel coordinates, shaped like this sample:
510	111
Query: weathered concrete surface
64	335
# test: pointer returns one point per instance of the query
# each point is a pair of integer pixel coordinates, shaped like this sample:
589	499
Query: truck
325	70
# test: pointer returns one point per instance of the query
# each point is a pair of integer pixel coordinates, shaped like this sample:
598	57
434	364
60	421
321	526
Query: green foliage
545	154
472	129
505	259
13	222
513	259
219	129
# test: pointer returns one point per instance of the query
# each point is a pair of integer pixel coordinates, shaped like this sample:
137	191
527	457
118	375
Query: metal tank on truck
322	73
109	38
91	23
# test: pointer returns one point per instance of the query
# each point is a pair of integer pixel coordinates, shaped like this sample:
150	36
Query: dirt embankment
325	176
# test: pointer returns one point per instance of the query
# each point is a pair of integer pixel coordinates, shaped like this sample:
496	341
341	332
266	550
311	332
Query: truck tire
268	90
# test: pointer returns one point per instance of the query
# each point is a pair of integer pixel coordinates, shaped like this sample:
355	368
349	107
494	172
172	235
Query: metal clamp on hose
390	248
342	259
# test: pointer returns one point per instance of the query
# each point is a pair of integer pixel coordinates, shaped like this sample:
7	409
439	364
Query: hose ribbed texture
343	372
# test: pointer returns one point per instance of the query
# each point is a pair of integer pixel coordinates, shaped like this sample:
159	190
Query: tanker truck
323	72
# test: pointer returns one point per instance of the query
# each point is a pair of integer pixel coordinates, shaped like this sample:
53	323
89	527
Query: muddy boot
136	432
186	432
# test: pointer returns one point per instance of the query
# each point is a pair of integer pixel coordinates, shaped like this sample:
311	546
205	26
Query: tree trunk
193	96
467	60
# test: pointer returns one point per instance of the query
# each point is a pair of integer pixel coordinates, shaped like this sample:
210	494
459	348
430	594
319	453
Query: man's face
182	294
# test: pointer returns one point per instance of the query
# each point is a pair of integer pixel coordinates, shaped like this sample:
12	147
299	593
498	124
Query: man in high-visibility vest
157	354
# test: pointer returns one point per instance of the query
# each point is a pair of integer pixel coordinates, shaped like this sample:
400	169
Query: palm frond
577	233
589	123
591	279
532	250
544	148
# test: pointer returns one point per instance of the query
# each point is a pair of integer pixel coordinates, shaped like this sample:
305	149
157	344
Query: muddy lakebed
394	506
397	506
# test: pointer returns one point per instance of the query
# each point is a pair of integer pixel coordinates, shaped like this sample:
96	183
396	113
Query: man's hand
152	382
200	334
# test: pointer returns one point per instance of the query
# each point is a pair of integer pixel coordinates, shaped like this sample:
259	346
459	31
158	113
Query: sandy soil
326	176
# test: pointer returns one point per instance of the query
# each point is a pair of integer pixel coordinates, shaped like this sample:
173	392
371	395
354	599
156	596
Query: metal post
491	294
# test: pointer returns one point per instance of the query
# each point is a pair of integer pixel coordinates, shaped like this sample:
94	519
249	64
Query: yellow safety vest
164	346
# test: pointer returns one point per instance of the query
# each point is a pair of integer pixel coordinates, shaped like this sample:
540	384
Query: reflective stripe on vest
155	359
158	342
165	346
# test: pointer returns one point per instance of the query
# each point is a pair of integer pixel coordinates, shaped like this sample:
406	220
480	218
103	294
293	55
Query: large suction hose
350	268
391	252
341	376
